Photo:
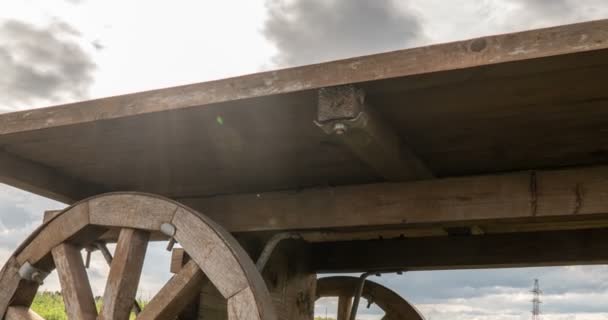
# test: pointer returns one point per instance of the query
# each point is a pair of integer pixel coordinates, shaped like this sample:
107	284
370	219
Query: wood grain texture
291	281
9	278
175	295
394	306
76	289
179	258
225	263
55	232
125	272
212	306
526	249
540	43
534	197
42	180
21	313
131	211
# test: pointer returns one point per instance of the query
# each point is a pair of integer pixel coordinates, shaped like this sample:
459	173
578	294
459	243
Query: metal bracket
271	245
30	273
169	230
343	113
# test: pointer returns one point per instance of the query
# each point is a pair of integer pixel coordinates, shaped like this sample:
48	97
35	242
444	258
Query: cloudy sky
56	51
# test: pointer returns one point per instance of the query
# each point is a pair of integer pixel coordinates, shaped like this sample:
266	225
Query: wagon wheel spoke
125	272
173	298
76	289
344	305
217	260
21	313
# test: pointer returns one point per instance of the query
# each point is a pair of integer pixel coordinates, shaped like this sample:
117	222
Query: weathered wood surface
125	272
528	249
533	199
560	40
10	279
511	102
21	313
226	265
54	233
75	286
181	290
344	114
394	306
39	179
212	249
130	210
213	306
291	281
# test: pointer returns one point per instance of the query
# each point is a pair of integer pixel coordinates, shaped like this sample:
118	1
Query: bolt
339	128
38	277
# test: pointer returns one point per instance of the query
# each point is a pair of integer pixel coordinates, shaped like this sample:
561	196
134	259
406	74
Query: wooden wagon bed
495	135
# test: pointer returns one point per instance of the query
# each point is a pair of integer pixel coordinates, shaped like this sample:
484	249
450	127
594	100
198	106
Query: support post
291	281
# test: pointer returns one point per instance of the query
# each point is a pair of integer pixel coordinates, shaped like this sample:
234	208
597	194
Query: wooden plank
21	313
125	272
181	290
76	289
562	40
570	195
530	249
44	181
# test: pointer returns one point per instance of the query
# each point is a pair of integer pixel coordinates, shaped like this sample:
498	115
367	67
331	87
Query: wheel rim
136	217
343	287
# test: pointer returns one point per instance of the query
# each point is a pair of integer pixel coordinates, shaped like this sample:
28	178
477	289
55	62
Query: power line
536	292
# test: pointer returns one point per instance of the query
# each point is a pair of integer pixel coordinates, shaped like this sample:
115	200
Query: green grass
49	305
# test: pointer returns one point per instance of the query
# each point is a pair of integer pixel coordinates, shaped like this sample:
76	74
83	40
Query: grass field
49	305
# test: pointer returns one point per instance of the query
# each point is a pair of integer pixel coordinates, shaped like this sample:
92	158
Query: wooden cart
474	154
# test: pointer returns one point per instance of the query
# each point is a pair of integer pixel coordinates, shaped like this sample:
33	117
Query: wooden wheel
393	305
132	219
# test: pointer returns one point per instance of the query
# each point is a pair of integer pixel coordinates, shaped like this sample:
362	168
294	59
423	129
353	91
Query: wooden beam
539	197
549	248
175	295
562	40
125	272
44	181
75	286
343	113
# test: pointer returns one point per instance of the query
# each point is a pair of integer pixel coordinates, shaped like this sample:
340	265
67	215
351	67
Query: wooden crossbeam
47	182
549	248
543	199
343	113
